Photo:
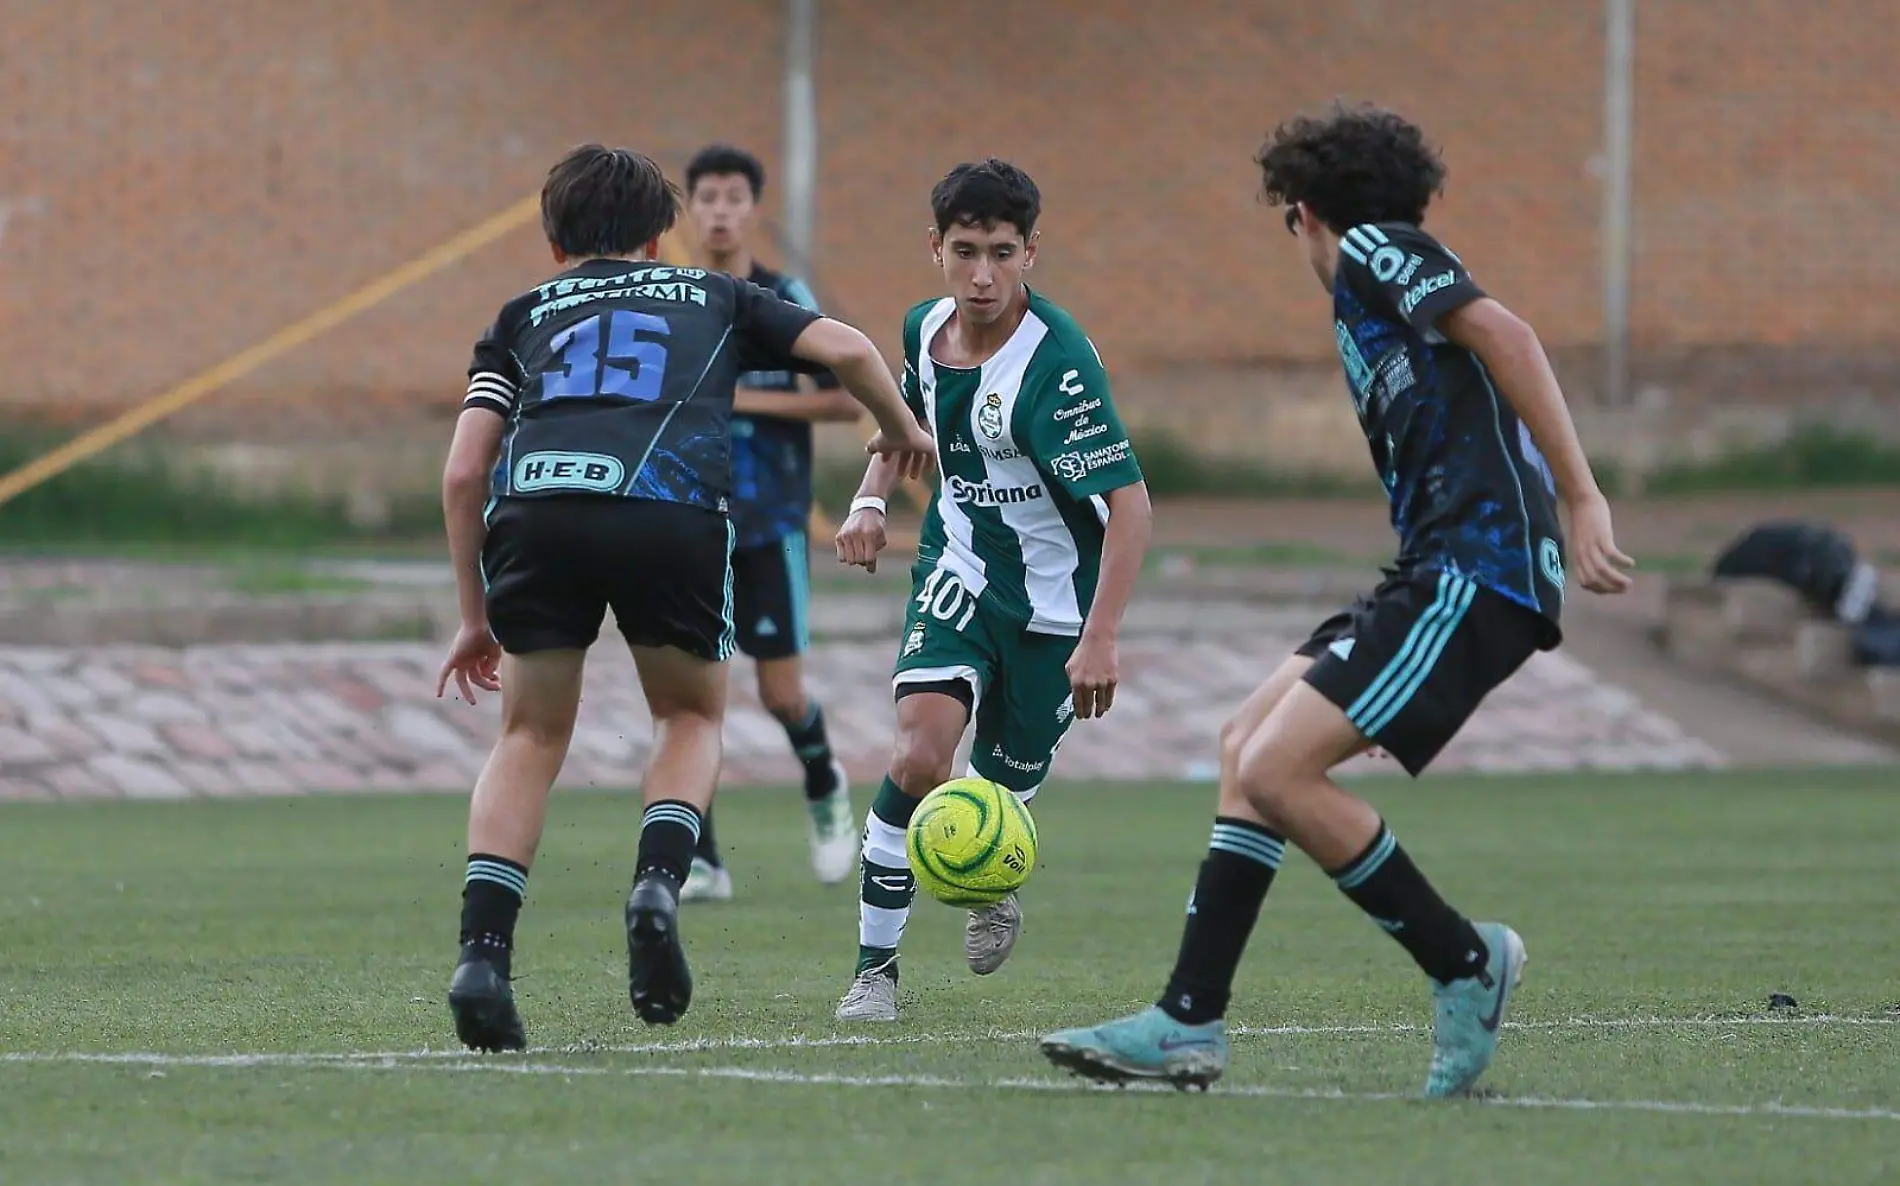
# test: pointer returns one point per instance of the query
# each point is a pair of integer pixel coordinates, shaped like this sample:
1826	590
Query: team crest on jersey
989	417
914	642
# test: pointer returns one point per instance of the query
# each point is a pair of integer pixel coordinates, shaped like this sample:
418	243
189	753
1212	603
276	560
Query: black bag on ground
1814	560
1819	563
1877	640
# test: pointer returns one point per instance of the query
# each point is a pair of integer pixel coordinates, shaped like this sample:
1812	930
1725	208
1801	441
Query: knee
922	762
1233	738
543	732
787	709
1268	777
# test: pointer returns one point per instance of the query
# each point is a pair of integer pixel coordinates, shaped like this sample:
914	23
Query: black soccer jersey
772	456
1470	492
616	378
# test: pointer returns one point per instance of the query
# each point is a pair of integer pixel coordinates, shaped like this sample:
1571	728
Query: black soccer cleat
658	981
483	1005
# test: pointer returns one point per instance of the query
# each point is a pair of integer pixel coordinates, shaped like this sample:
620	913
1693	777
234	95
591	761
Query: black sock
1385	884
706	850
669	830
1242	858
492	889
814	750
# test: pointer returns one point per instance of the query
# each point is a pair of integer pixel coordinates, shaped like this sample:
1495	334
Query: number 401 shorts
1014	682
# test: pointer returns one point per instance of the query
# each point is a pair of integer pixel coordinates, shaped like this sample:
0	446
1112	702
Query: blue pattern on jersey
771	457
1440	470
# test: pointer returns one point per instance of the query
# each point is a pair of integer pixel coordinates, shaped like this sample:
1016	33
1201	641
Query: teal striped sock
669	831
492	890
1242	858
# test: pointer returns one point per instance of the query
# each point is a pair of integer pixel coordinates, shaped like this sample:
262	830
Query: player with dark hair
1027	559
771	503
1469	432
590	468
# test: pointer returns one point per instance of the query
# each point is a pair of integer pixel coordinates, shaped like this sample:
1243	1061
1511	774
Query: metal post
1619	43
801	135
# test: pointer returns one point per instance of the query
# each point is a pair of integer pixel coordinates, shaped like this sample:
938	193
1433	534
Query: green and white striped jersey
1027	445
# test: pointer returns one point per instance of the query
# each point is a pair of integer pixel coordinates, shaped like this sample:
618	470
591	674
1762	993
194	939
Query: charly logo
989	417
1386	263
1550	559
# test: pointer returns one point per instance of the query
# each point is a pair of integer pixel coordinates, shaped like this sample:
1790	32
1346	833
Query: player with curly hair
1469	432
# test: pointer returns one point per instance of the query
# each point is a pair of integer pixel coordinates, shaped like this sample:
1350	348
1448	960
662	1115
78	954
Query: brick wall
180	178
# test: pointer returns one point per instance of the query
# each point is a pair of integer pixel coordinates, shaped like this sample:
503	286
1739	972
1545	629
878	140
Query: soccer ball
971	843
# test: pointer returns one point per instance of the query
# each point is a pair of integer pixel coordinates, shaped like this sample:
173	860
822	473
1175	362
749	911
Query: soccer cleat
1467	1013
835	840
1146	1045
658	981
990	935
872	996
483	1005
707	882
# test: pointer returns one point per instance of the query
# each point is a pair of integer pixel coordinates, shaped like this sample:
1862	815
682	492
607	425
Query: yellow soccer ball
971	843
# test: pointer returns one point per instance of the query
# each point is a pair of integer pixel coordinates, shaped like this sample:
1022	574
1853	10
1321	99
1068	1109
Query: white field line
803	1042
1076	1086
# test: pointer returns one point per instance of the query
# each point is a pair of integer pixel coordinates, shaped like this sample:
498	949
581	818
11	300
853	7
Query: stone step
1760	609
351	717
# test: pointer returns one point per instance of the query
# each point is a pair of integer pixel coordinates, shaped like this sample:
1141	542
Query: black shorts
1409	664
553	565
771	598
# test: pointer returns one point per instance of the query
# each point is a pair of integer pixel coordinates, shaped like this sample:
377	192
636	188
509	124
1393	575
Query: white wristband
869	502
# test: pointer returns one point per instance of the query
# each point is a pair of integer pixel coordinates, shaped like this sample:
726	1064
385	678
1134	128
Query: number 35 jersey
616	379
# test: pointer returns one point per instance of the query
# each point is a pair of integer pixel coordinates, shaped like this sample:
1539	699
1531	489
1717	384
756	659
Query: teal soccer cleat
1148	1045
1468	1013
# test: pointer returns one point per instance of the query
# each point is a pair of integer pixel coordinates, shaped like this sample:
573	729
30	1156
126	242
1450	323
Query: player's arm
861	536
1124	546
824	406
494	384
1078	442
465	486
826	402
1511	351
778	332
1429	287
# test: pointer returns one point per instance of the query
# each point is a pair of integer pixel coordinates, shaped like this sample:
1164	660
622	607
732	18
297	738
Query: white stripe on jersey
1356	243
959	551
488	389
1049	552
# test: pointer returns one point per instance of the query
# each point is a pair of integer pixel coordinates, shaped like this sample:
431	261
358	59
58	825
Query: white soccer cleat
707	882
872	996
991	934
835	842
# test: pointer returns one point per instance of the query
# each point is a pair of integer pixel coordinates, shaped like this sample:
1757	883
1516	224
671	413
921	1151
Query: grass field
253	991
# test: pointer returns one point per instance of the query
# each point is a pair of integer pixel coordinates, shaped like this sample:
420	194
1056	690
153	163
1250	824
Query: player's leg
1018	730
1242	858
1430	652
754	633
942	674
1407	677
545	622
785	602
931	718
672	598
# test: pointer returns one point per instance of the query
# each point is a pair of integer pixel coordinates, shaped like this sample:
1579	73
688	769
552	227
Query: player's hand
1593	553
474	660
913	450
1094	670
861	538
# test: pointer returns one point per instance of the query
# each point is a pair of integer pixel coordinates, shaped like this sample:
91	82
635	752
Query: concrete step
1757	609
